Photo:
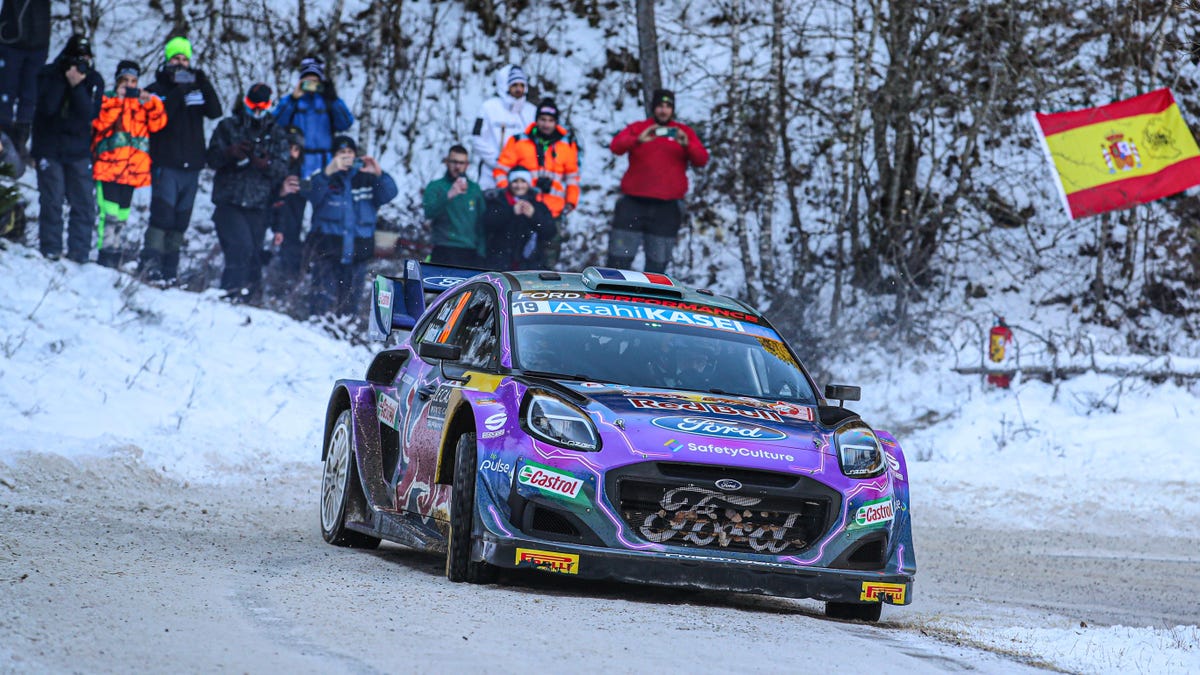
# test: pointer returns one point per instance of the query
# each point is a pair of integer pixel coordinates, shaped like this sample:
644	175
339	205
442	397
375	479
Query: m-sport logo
704	426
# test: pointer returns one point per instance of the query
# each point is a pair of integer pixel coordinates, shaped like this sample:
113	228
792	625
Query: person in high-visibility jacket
551	155
121	148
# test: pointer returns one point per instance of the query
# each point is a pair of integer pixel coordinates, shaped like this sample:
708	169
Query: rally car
611	424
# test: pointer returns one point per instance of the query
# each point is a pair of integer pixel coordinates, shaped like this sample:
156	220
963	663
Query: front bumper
694	571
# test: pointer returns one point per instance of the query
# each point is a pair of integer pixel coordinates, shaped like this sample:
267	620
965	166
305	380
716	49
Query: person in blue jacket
315	109
346	196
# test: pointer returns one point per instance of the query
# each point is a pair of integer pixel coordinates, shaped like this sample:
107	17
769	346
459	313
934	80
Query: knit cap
177	45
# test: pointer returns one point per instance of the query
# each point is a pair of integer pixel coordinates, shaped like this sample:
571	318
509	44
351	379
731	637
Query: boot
110	257
170	269
150	265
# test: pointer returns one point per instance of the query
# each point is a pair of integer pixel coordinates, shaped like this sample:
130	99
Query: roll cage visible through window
467	319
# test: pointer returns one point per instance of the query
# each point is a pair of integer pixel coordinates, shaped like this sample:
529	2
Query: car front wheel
459	566
341	491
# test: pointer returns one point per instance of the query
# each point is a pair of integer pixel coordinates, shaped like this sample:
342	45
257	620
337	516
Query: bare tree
78	25
648	52
372	64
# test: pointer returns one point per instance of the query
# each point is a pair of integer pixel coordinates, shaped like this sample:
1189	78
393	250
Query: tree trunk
736	130
302	26
766	240
179	20
648	52
77	23
372	62
331	44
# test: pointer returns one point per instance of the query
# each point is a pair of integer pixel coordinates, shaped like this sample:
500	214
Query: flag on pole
1112	157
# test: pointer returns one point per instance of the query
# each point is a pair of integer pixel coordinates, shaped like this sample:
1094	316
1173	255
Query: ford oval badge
729	484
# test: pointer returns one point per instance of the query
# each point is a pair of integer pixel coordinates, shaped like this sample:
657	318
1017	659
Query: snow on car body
617	425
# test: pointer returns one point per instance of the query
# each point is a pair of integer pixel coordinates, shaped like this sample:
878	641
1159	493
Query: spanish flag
1125	153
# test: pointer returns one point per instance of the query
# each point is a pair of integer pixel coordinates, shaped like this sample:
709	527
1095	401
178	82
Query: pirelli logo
548	561
873	591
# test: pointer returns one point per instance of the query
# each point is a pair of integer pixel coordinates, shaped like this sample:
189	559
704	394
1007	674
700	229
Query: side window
476	331
442	324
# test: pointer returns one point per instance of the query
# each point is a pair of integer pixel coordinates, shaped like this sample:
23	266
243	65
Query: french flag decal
638	277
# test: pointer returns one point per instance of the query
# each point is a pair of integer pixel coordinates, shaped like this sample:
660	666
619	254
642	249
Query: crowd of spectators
92	147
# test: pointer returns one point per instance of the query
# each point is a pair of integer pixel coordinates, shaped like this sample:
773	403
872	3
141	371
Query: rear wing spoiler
397	302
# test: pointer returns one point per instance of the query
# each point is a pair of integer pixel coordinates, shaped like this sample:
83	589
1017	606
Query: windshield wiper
577	377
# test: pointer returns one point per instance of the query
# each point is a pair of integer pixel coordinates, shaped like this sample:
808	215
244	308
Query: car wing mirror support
441	352
843	393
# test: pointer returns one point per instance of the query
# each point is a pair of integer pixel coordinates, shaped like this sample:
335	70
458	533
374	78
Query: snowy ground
1055	526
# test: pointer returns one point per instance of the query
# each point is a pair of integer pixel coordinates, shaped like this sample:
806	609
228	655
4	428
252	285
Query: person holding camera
69	94
517	226
453	206
650	210
346	196
316	110
249	153
177	153
549	152
120	145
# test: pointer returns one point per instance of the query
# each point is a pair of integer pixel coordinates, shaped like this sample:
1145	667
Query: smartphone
664	131
358	164
310	85
132	92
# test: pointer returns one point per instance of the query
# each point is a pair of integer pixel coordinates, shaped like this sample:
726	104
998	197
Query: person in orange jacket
550	153
121	148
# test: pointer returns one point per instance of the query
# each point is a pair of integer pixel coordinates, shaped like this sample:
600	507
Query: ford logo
729	485
718	428
444	282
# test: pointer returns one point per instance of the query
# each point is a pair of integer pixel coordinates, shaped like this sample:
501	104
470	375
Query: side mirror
439	351
842	392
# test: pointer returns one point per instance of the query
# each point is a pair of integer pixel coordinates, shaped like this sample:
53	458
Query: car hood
672	421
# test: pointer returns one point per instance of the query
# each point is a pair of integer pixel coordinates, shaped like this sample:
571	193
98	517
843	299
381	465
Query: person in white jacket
500	118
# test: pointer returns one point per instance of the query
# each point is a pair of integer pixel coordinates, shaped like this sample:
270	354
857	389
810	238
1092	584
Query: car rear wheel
459	566
341	491
854	611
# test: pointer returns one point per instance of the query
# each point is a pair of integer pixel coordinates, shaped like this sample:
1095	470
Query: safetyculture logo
873	513
548	479
388	409
704	426
876	591
495	425
548	561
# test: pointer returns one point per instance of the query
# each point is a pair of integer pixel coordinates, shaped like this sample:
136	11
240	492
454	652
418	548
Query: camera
81	64
669	132
311	86
357	165
132	92
544	184
184	76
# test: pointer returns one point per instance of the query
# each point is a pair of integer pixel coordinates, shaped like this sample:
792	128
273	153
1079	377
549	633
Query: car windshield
643	345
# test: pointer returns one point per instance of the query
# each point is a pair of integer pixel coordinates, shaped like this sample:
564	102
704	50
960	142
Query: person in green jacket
454	206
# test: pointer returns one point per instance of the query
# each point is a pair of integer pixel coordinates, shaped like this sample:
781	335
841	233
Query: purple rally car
617	425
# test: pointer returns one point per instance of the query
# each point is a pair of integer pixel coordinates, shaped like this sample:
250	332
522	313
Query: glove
260	162
239	150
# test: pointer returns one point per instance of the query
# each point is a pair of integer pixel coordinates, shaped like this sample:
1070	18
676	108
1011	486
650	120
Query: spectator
69	93
517	225
24	46
12	204
315	109
120	144
454	207
249	153
287	211
550	153
500	118
650	210
177	156
346	197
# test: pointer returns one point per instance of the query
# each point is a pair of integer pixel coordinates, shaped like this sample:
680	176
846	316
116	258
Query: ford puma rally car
613	425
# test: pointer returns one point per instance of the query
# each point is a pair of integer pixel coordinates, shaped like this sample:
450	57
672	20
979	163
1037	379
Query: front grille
545	521
761	517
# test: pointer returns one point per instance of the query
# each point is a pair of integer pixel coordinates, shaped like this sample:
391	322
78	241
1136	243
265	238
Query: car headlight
859	451
555	421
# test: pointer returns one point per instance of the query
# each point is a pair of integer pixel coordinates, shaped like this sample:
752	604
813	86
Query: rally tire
341	490
854	611
459	566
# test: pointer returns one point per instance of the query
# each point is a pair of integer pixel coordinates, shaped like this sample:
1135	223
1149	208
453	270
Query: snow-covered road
158	491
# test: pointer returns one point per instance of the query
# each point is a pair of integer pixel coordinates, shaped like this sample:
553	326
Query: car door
467	319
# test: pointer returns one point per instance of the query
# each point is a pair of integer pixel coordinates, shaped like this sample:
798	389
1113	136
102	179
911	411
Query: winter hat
663	96
78	45
259	93
548	107
126	67
313	66
515	75
519	173
177	45
340	142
